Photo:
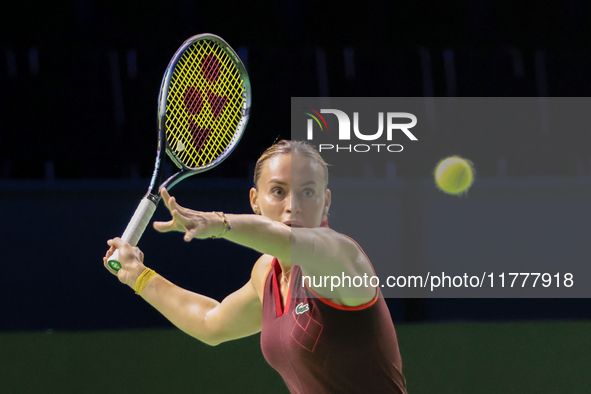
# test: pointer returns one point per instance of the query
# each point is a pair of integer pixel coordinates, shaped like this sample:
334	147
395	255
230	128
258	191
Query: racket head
203	105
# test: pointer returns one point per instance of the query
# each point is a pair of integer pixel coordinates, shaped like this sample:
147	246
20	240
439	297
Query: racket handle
136	227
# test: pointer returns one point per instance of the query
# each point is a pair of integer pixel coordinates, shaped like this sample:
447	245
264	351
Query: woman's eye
277	192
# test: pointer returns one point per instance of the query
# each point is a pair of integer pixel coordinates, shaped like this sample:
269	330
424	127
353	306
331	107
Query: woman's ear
253	201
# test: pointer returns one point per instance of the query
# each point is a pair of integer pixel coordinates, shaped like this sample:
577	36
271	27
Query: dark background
78	87
79	79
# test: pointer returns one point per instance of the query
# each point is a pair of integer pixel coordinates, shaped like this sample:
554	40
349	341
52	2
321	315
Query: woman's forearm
261	234
253	231
186	310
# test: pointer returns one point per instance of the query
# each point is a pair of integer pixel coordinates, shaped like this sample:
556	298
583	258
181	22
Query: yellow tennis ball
454	175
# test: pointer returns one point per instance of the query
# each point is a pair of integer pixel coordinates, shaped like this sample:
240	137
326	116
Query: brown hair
286	147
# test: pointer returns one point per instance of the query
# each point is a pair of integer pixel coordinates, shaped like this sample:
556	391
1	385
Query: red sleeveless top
318	346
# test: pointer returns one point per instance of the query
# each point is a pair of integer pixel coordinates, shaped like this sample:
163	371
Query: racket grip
136	227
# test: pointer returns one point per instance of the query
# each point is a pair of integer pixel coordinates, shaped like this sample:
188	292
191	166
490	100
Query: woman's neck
285	270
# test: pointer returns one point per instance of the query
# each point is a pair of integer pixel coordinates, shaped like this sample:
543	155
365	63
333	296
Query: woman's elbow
210	340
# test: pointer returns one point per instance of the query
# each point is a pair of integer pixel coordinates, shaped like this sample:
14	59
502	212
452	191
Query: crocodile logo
301	308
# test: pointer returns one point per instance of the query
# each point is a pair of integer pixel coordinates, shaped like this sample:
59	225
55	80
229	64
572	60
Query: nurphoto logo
390	119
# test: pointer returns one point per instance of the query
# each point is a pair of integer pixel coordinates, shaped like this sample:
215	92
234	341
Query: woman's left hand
194	224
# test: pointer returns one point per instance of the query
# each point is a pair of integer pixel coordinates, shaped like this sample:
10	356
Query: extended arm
319	251
254	231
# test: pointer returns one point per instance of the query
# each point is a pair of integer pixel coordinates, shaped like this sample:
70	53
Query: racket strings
204	104
200	132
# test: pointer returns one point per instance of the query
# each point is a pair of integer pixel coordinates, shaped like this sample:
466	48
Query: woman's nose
293	205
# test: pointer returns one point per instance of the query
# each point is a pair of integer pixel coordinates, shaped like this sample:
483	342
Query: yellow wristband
143	280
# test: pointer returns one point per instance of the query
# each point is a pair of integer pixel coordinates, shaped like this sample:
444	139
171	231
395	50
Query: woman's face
292	191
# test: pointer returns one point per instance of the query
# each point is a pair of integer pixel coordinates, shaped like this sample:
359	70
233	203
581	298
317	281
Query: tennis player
320	341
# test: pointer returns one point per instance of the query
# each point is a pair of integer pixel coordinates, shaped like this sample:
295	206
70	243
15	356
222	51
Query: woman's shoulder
331	243
262	266
259	273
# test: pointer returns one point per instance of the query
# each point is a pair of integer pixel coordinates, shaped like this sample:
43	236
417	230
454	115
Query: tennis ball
454	175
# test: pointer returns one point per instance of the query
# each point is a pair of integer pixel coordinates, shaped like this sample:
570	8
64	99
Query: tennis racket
203	109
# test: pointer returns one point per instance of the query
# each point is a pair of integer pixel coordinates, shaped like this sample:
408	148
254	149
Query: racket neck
155	198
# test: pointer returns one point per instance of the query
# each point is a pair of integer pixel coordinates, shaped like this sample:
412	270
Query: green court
531	357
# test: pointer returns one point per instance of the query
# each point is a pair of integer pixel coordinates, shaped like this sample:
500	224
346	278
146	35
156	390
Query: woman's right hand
131	259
